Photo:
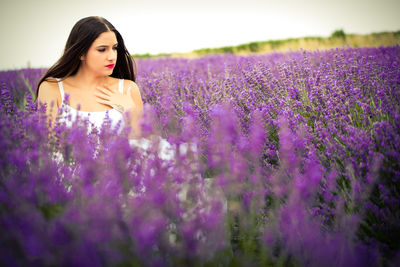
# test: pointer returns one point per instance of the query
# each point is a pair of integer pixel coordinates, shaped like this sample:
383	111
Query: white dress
96	119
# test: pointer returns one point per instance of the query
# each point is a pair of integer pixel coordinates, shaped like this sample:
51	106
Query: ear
82	57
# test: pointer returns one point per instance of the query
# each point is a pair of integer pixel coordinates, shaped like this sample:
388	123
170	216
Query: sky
34	32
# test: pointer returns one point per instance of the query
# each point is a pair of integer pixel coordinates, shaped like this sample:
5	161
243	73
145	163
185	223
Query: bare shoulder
130	83
48	87
133	86
48	90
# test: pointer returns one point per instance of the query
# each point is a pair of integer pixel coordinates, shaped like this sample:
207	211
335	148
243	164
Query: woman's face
101	53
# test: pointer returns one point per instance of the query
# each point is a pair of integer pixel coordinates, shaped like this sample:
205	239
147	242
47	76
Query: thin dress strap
121	85
61	89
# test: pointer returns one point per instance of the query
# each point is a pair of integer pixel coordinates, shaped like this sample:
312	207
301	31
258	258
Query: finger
110	89
103	101
104	91
102	96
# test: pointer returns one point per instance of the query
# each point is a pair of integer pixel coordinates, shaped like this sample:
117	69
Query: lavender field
286	159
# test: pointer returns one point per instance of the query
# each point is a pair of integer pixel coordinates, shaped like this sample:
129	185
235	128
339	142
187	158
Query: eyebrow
105	45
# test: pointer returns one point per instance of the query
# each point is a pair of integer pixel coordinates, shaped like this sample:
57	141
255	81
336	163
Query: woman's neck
85	79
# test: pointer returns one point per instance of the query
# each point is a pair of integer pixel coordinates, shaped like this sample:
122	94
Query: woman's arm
48	96
135	113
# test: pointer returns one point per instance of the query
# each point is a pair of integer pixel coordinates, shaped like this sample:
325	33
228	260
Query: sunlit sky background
35	31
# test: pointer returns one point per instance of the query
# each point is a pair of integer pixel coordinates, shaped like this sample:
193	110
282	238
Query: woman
98	73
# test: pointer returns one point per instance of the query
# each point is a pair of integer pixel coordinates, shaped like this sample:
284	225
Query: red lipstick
110	66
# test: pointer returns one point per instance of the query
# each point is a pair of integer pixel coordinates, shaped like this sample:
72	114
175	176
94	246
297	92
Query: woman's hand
112	97
129	101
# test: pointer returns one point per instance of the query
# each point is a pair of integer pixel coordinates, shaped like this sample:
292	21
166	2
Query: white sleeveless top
95	118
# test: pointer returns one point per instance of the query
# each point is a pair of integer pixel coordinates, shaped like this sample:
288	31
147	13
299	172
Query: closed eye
102	50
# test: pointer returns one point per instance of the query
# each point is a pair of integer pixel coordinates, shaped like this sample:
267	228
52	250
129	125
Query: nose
112	54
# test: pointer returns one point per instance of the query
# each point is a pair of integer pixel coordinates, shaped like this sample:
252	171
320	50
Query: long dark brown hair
82	35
